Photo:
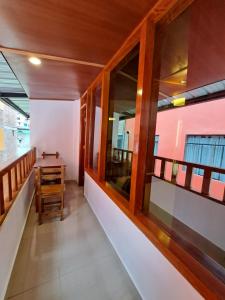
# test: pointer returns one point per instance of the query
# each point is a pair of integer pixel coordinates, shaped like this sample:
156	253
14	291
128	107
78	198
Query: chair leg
40	210
62	206
36	200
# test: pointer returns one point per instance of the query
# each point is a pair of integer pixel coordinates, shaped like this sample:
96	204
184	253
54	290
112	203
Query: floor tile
72	259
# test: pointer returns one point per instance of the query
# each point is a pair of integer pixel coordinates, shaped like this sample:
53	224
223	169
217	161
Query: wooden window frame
194	270
95	84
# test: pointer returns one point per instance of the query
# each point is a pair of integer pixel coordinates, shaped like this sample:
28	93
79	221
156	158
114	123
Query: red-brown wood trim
104	125
87	133
143	106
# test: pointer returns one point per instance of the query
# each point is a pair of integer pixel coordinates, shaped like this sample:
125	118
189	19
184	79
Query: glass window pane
191	129
96	129
122	108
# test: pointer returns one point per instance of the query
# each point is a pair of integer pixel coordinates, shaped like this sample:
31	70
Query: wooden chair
51	189
44	154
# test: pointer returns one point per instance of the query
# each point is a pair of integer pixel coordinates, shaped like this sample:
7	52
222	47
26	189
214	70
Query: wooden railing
12	178
122	155
188	173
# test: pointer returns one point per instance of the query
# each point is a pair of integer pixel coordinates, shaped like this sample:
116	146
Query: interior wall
54	127
154	276
11	232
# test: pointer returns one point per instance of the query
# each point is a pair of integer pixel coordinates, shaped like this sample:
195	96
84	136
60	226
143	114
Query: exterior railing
122	155
12	178
178	167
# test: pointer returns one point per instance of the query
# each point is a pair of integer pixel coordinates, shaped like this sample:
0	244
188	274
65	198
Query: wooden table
49	162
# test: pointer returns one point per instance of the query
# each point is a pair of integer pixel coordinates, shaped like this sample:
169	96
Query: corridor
67	260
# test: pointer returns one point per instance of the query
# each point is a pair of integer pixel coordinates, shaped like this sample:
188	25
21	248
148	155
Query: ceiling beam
13	95
50	57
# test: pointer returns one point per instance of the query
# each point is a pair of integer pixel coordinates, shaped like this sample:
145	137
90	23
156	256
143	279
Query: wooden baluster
162	169
25	164
2	204
122	155
23	168
10	185
28	160
16	179
188	177
20	171
206	181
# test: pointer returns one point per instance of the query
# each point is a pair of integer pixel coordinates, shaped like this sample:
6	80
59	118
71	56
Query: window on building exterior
189	85
122	108
206	150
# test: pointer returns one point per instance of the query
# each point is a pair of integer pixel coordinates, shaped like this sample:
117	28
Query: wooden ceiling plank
50	57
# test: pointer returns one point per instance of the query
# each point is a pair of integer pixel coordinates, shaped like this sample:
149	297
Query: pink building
173	127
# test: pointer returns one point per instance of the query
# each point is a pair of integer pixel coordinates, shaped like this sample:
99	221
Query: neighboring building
14	132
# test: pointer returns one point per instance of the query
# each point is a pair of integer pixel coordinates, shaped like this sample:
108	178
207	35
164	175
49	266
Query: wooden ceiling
90	31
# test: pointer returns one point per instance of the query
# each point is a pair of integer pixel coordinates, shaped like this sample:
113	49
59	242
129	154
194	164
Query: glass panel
122	108
190	129
96	130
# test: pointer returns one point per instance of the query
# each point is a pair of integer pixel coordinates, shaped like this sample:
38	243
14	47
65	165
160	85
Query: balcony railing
177	172
122	155
12	178
182	174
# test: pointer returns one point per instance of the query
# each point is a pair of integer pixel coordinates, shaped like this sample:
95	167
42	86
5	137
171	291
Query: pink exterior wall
174	125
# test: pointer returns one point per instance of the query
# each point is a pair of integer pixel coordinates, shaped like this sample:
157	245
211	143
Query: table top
49	162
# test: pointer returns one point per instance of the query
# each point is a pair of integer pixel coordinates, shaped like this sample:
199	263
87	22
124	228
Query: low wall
153	275
197	212
11	232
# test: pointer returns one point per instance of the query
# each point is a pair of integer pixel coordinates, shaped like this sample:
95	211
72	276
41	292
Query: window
121	120
189	71
206	150
95	128
156	145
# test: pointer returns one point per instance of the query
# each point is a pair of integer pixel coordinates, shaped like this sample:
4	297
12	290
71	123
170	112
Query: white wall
54	127
197	212
153	275
11	232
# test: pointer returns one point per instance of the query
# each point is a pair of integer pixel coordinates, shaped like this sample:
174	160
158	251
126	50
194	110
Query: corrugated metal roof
10	84
195	93
8	81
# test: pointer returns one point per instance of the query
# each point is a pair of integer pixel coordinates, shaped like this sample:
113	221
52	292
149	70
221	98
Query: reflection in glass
96	129
189	166
122	107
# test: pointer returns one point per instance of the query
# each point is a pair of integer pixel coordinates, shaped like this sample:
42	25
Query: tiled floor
67	260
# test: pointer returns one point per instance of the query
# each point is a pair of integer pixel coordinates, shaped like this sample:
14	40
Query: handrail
12	178
123	150
122	155
207	176
193	165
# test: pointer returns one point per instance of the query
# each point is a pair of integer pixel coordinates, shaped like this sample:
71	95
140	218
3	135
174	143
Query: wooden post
188	177
145	115
104	125
2	204
10	185
206	181
162	168
16	178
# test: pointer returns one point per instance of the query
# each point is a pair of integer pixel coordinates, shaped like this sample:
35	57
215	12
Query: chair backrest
44	154
50	176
